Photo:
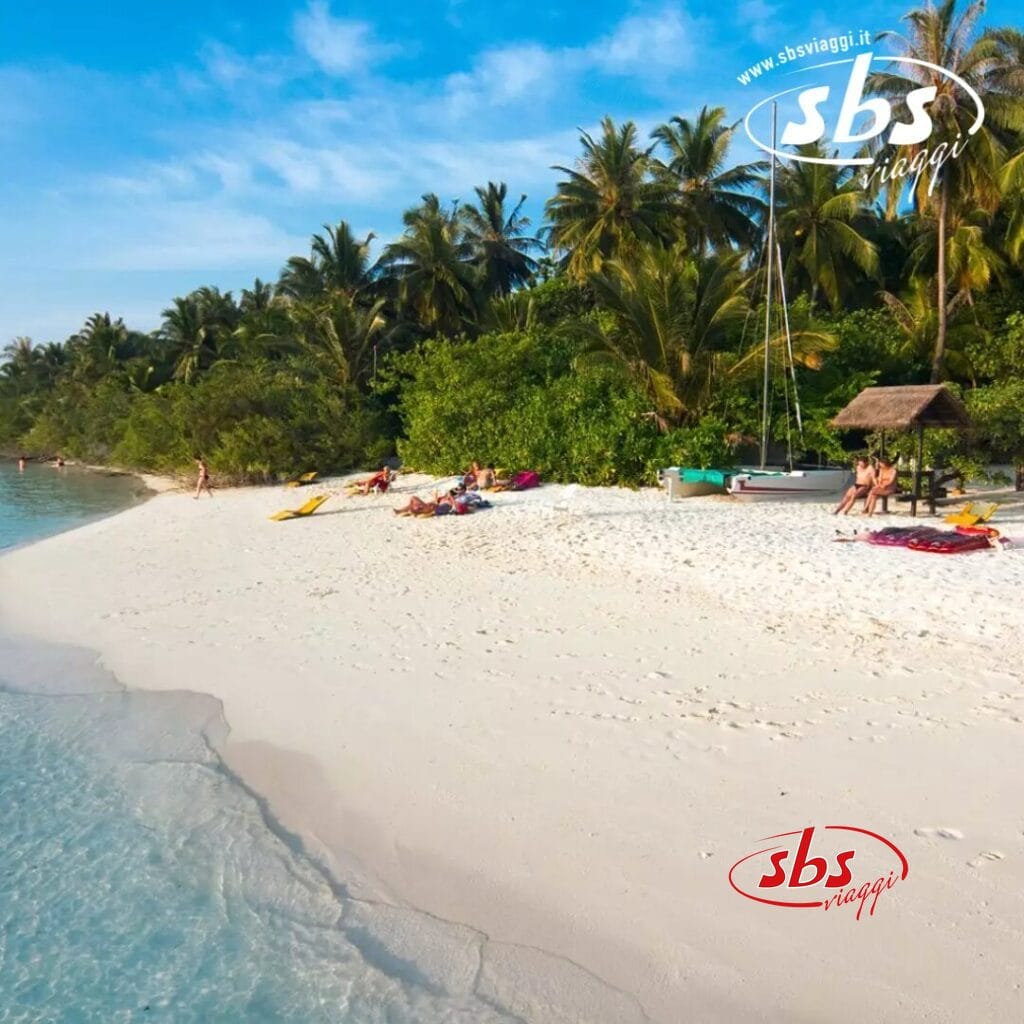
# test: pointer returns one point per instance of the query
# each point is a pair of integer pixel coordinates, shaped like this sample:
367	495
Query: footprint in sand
983	858
941	833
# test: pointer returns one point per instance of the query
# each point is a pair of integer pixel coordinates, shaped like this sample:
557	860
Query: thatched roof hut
911	407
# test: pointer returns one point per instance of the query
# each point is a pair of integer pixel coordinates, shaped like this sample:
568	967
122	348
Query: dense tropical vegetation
621	334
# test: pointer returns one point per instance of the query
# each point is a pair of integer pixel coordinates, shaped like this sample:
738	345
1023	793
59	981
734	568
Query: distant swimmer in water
59	462
203	483
22	462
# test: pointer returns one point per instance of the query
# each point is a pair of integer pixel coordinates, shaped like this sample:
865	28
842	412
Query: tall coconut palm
972	263
819	207
916	317
339	335
671	313
338	262
498	240
20	356
610	203
257	299
717	206
188	337
430	268
100	345
943	37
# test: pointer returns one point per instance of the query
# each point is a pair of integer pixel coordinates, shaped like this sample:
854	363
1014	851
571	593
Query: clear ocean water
140	881
45	500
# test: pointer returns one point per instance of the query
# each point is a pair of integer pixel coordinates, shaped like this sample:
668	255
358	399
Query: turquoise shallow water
44	500
140	881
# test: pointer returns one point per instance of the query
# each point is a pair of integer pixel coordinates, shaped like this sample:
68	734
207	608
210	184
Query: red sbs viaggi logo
829	867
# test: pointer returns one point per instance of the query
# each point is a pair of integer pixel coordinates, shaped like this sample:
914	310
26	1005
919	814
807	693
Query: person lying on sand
864	481
437	507
886	487
380	480
468	501
416	506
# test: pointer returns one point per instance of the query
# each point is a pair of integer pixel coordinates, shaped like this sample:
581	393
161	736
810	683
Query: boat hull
805	484
693	483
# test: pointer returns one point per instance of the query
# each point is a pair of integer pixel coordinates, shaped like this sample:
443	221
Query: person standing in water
203	483
22	462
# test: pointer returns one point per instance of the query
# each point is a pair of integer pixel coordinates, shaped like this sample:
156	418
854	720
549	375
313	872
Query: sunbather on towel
865	480
886	487
468	501
437	507
380	480
416	507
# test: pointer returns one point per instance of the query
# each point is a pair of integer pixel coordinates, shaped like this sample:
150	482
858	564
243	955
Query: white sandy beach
559	722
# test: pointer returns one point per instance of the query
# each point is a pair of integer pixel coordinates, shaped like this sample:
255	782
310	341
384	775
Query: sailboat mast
768	296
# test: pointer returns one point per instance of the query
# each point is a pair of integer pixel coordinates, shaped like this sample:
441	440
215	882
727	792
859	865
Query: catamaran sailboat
766	483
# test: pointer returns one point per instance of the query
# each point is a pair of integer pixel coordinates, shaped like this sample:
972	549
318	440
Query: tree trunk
940	283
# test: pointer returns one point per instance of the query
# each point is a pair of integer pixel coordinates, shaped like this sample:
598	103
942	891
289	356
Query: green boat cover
719	477
716	477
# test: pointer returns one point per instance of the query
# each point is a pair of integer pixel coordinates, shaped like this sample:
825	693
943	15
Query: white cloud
643	46
339	46
189	235
502	76
758	18
649	44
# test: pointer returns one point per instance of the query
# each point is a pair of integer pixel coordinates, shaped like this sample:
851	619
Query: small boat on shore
761	485
694	483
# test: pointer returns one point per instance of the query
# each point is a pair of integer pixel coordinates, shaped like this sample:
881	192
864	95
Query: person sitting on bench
886	487
865	480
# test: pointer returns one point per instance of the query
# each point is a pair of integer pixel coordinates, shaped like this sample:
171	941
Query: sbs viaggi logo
841	122
831	867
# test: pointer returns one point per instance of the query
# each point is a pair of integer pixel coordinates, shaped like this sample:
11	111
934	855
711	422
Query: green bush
514	400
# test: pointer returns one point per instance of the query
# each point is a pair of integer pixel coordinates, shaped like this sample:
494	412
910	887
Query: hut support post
918	471
881	455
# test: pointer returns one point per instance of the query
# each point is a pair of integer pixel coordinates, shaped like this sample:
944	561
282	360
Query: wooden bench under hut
900	409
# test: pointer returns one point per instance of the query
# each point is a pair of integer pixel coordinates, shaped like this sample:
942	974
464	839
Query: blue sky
149	149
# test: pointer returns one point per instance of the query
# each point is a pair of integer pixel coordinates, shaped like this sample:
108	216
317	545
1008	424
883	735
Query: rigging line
753	296
768	293
789	418
789	346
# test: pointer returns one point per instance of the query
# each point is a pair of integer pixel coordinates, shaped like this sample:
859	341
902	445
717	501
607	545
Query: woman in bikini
203	482
886	487
864	481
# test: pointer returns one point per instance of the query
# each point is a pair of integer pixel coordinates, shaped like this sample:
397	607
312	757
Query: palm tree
337	262
716	205
940	36
501	249
257	299
265	328
672	312
819	206
340	335
971	262
916	318
20	356
188	337
609	203
430	268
